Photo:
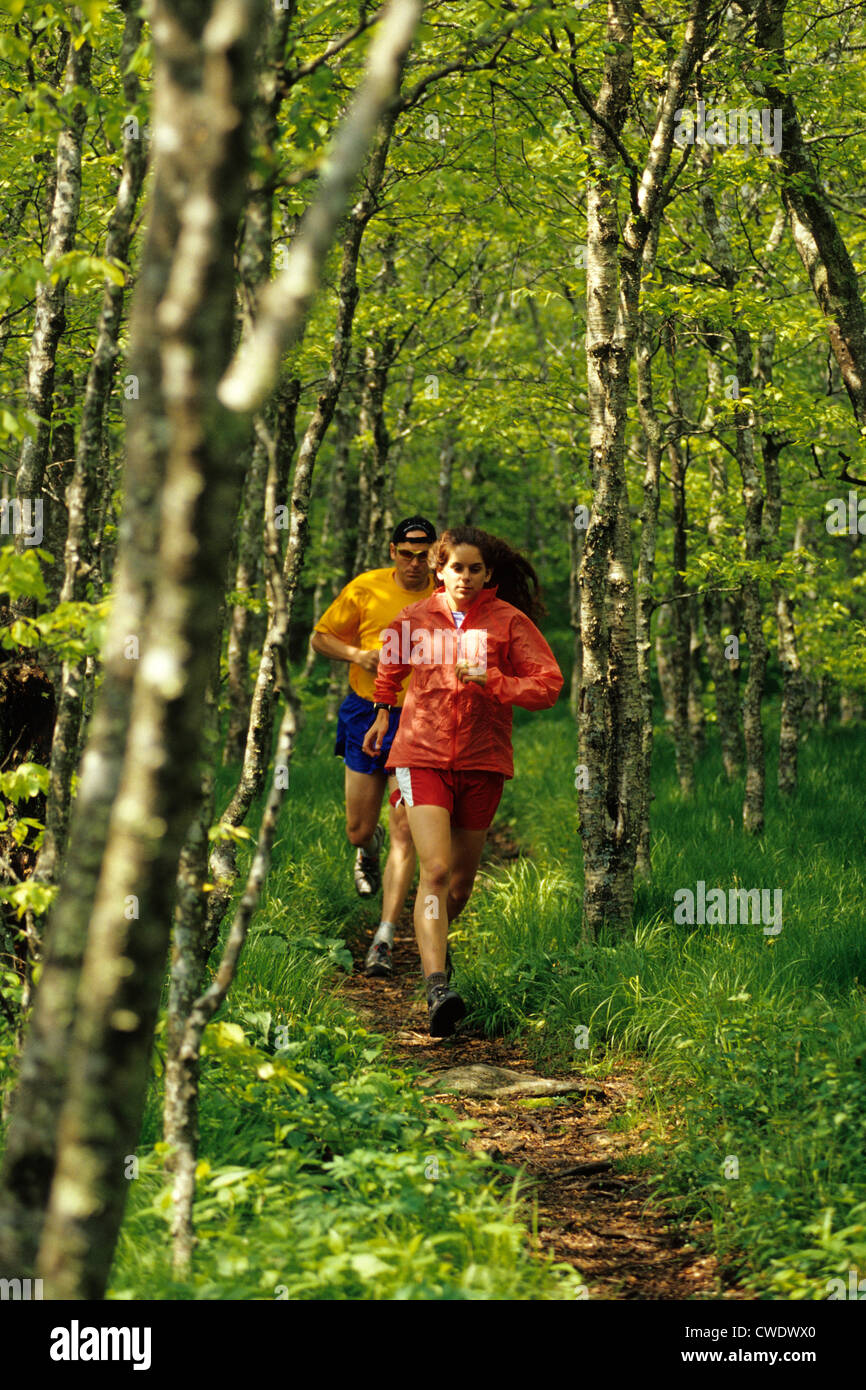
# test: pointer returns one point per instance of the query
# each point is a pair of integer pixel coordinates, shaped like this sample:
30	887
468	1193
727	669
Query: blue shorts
353	720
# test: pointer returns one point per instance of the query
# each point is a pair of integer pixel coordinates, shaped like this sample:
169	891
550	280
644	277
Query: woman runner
473	651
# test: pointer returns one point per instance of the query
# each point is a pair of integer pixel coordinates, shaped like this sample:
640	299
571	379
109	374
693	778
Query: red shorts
471	798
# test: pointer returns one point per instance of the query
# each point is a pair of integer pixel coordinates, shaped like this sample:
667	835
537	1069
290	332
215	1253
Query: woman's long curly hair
516	580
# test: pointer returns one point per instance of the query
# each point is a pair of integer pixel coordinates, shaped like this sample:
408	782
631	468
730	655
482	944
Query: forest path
590	1208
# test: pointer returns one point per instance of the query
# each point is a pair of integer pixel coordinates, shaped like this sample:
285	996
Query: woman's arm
537	679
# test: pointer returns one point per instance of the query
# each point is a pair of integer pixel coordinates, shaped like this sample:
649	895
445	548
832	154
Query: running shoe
380	960
368	875
445	1009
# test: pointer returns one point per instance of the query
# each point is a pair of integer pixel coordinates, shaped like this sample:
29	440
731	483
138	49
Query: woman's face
464	575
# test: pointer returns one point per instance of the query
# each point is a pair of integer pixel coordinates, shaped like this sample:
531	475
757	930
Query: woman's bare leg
431	832
466	848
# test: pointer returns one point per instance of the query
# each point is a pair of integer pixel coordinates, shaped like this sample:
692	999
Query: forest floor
592	1211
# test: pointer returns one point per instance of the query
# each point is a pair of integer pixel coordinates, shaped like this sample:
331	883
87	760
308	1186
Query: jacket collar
439	602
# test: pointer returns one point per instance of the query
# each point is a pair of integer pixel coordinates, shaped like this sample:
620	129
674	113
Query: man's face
410	561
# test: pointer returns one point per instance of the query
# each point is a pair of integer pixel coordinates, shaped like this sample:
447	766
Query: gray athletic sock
385	932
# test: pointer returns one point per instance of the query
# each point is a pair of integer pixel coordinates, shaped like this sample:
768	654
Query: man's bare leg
400	864
364	792
431	831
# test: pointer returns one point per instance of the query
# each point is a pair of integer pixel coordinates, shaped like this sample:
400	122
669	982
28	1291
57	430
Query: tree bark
254	265
30	1153
653	443
78	565
201	116
723	677
378	356
238	647
680	615
188	966
753	502
816	235
697	725
610	706
333	569
50	318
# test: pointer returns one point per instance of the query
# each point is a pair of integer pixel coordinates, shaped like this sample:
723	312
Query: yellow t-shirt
360	612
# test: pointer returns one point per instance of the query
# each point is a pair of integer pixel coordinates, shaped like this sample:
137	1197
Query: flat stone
482	1080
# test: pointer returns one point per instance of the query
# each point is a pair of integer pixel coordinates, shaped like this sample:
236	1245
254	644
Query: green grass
323	1172
325	1175
753	1046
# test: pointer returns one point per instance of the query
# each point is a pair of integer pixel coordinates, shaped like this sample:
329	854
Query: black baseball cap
413	523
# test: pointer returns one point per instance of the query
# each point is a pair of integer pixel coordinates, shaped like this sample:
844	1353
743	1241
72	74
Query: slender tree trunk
664	664
402	429
50	319
610	705
446	469
816	235
58	475
654	443
793	684
30	1152
238	647
680	616
606	822
79	562
332	571
850	708
188	967
254	264
259	735
727	704
204	81
697	727
379	357
575	552
193	1014
753	502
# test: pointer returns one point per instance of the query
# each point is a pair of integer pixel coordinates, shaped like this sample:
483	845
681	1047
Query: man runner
350	631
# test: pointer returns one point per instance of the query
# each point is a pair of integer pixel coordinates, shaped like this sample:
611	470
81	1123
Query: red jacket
448	723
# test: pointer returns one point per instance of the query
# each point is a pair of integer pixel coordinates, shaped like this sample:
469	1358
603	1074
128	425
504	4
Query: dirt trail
594	1217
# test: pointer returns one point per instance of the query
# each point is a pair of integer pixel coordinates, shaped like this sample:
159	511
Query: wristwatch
379	705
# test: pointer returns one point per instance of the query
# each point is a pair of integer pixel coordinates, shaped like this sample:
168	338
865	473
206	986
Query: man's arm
331	647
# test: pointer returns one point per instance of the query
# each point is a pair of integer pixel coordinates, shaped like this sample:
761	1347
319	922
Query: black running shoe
380	960
445	1009
368	875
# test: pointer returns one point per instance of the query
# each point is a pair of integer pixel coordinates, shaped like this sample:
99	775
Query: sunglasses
412	554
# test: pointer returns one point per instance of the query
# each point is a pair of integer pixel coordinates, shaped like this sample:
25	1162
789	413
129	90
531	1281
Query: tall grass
324	1173
753	1044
